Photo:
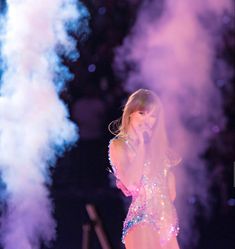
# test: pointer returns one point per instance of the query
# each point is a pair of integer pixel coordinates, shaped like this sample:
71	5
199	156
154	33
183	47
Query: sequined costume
151	202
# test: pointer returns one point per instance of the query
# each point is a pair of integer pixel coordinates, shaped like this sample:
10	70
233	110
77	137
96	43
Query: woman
141	160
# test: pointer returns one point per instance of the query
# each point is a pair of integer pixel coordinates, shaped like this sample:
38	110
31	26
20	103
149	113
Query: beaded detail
151	204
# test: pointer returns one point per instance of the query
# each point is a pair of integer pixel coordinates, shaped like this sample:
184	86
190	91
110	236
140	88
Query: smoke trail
34	124
171	49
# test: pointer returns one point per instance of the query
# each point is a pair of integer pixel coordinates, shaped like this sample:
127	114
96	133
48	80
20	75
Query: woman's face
144	120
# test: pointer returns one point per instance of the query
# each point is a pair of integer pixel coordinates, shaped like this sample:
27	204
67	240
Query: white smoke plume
34	123
171	49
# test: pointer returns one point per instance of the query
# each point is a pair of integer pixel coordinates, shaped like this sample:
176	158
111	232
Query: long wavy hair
144	100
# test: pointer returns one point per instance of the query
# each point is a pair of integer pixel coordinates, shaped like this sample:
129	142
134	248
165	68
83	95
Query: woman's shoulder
117	148
117	153
118	142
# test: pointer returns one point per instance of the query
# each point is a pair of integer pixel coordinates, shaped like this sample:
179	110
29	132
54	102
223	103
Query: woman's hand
143	134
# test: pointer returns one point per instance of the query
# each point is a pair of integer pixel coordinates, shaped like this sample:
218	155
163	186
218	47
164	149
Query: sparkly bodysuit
151	203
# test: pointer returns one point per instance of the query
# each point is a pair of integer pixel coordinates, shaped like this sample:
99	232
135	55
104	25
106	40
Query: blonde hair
140	100
158	146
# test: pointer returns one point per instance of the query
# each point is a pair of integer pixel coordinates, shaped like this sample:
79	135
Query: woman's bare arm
128	172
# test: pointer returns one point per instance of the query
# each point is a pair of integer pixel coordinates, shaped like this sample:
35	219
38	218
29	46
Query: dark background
81	176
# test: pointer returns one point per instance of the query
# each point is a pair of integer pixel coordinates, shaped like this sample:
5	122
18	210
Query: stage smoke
34	123
172	49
